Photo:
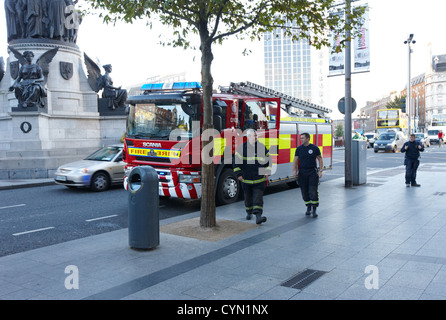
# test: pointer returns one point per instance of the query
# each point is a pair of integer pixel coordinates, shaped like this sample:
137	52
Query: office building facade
295	68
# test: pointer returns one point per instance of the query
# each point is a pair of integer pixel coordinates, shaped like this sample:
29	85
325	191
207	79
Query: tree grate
303	279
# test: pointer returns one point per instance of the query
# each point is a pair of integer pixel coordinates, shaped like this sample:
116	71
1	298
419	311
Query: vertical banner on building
362	46
337	59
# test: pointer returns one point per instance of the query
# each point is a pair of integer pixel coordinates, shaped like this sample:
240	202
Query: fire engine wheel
100	182
228	189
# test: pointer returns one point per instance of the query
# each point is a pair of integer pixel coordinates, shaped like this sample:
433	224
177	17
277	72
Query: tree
396	103
339	131
216	20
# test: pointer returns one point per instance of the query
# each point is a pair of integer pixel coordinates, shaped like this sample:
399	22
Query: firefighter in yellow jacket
251	165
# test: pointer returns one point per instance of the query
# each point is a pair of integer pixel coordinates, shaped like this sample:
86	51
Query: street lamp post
409	41
363	117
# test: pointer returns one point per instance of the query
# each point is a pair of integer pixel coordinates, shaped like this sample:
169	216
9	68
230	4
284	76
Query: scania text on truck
164	130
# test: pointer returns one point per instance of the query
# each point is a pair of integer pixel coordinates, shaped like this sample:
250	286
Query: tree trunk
207	212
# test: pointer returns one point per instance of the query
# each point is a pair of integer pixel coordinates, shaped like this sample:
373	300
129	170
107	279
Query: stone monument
49	112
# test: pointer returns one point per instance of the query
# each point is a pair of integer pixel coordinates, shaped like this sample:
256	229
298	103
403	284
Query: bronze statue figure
98	81
43	19
12	11
29	87
33	18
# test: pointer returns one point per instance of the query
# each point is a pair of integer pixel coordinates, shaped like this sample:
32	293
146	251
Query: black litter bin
143	202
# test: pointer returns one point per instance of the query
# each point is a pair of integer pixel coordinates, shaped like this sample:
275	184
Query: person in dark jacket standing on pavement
307	173
251	165
412	149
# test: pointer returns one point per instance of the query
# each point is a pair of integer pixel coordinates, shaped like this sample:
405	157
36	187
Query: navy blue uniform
411	160
308	178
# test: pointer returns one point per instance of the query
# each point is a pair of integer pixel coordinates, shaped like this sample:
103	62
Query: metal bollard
143	203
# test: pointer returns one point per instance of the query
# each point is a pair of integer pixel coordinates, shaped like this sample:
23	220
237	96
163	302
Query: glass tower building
294	67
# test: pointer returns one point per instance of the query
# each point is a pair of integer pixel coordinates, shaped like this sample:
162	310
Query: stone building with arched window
435	86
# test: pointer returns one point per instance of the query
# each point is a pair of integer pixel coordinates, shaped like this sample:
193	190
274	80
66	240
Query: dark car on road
389	141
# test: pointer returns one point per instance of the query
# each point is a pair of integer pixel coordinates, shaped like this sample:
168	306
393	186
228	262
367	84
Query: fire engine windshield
157	121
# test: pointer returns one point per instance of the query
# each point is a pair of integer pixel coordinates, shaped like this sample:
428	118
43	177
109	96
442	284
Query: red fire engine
164	131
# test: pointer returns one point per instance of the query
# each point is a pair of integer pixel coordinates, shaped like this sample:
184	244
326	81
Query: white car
371	138
98	171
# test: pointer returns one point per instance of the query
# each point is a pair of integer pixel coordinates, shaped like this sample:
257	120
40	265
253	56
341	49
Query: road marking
100	218
16	205
36	230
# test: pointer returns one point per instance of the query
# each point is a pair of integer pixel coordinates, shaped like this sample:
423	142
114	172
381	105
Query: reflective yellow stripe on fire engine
284	141
270	142
327	141
156	153
316	120
219	146
260	159
285	144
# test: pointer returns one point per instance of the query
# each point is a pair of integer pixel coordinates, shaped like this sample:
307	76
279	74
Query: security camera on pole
409	41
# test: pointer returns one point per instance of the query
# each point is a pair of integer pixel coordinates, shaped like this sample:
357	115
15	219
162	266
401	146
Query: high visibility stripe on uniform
253	181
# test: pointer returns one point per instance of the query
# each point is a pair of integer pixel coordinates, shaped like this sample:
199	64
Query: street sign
341	105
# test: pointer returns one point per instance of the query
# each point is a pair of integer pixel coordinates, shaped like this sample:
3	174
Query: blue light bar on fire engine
171	86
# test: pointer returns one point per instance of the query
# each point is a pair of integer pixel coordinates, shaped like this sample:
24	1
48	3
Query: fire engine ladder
263	92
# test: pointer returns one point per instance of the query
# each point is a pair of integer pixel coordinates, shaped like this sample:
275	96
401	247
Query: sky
135	53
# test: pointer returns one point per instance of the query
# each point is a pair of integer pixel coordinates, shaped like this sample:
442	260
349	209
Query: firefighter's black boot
308	211
248	215
314	212
259	218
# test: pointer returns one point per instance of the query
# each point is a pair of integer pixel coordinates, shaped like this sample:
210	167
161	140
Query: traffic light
403	105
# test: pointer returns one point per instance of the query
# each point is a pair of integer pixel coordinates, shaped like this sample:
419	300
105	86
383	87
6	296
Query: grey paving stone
392	292
326	287
278	293
357	292
411	279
